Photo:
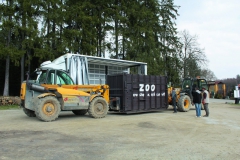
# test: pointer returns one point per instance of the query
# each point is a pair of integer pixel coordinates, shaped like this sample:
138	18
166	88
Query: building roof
214	82
113	62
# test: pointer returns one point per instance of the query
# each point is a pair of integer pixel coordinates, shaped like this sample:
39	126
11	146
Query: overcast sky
217	25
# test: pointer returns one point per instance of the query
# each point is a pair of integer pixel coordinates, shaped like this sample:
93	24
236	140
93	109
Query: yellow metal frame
23	91
94	90
169	94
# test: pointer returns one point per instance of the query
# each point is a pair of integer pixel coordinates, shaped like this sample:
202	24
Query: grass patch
9	107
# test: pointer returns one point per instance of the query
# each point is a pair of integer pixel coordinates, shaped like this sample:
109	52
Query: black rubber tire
98	107
80	112
29	112
184	103
47	108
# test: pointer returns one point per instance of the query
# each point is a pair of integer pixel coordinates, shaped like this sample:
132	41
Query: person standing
174	99
205	101
197	99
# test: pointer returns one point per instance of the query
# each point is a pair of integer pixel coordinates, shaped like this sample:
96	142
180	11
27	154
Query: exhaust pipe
37	88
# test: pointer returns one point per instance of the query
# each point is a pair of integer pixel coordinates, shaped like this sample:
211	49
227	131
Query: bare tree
191	55
208	75
238	79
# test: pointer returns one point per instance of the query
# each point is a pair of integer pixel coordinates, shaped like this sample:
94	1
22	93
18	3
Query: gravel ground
145	136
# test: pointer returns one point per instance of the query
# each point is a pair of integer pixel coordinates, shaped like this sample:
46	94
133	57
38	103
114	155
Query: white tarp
78	70
236	94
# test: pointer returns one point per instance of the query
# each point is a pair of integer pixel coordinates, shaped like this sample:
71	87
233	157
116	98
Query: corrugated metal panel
139	93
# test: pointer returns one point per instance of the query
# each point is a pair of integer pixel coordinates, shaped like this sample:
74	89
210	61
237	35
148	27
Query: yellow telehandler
47	92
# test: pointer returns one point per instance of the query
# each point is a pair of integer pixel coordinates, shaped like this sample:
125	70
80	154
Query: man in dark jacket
174	98
197	100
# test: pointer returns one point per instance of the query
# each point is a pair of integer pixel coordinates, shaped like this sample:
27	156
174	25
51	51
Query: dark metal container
137	93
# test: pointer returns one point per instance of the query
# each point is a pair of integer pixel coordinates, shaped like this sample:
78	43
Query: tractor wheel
80	112
184	103
47	108
29	112
98	107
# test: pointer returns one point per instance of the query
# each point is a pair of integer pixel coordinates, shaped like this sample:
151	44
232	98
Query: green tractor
184	101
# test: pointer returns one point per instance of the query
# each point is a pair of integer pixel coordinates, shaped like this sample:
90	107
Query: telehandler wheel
80	112
47	108
29	112
184	103
98	107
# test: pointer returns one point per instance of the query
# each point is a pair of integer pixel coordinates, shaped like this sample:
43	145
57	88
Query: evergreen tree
7	28
138	30
27	16
51	43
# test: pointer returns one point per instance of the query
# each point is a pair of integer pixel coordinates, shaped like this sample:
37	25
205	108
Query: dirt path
158	135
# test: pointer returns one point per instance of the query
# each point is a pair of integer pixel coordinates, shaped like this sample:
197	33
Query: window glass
42	77
186	84
195	84
51	76
63	78
203	83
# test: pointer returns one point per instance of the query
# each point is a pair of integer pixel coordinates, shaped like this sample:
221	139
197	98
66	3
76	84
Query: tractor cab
51	77
189	84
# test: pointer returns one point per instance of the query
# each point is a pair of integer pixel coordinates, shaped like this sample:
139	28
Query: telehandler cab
47	92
